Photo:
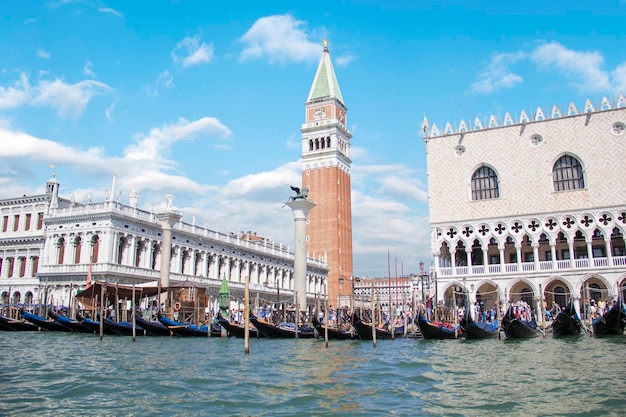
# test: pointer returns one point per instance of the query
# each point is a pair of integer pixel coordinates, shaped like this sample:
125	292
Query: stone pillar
300	208
168	220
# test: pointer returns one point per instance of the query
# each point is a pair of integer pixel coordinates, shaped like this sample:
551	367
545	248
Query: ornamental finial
325	43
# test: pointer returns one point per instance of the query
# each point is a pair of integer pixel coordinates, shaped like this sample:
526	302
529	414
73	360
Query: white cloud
191	51
68	99
41	53
16	144
619	78
404	188
166	79
344	60
159	140
108	113
88	69
583	67
280	38
497	75
110	10
15	95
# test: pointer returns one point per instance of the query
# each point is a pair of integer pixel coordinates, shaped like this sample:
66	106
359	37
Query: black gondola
189	330
124	328
94	326
434	331
515	328
155	328
282	330
347	333
479	330
566	322
73	325
237	329
612	322
44	323
364	330
12	325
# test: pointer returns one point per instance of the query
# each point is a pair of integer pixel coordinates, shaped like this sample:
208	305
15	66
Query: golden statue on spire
325	43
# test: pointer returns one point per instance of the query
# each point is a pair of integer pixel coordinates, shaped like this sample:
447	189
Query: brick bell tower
326	171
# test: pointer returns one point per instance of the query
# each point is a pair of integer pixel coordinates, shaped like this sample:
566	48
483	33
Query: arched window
567	174
485	184
95	247
78	245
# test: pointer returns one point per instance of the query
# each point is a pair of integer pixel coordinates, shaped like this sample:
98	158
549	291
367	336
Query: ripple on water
78	375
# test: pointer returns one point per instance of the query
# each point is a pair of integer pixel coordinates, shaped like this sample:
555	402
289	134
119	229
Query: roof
325	83
93	291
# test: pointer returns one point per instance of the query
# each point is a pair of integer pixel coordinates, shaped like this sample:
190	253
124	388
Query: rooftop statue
300	193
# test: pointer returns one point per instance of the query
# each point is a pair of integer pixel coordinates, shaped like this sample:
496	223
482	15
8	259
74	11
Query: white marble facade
52	243
532	208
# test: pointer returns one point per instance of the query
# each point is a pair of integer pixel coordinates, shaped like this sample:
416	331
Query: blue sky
204	100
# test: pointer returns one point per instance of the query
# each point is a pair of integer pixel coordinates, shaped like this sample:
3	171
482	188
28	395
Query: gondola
282	330
12	325
238	330
94	326
515	328
124	328
346	333
566	322
189	330
73	325
479	330
437	331
612	322
155	328
364	330
44	323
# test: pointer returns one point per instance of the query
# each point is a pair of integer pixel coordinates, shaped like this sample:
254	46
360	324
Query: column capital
168	219
300	208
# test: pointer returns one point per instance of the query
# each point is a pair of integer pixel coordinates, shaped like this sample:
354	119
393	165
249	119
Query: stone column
300	208
168	220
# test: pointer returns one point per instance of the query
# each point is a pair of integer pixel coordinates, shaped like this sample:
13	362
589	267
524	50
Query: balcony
529	267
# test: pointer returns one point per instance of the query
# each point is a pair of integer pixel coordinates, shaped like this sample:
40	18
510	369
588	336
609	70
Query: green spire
325	85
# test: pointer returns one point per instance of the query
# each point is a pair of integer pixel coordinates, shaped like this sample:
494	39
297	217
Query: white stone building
530	208
49	244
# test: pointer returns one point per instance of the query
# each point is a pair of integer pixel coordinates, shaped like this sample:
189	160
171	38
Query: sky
204	100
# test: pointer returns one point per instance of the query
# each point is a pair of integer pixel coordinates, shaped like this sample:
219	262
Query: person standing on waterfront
429	309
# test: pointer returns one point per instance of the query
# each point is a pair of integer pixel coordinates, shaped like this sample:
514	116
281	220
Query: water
61	374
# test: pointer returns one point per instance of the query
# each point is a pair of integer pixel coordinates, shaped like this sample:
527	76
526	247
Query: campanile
326	171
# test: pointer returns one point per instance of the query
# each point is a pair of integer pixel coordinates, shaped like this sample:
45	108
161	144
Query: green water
66	374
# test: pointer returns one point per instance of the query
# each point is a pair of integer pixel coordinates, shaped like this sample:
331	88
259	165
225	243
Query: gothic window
328	142
311	144
485	184
567	174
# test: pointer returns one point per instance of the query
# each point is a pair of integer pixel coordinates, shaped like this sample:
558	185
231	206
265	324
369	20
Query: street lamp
342	279
422	276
